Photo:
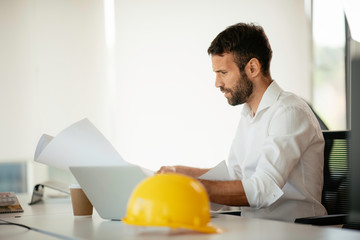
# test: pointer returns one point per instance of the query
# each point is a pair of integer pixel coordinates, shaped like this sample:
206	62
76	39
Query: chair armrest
335	219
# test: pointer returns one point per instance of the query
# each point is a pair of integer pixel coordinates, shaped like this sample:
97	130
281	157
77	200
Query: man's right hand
167	169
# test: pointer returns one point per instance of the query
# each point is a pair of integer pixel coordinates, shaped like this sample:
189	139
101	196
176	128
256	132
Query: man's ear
253	68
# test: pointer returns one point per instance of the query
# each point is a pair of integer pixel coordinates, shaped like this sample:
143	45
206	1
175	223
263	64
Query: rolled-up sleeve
261	190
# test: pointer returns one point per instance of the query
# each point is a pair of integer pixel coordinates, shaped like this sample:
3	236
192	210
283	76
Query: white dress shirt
278	154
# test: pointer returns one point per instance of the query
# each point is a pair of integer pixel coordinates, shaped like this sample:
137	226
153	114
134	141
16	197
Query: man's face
236	86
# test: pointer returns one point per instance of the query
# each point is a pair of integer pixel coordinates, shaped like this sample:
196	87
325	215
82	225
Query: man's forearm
229	193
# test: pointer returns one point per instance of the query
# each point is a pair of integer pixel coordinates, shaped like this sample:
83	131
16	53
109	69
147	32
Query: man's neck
258	92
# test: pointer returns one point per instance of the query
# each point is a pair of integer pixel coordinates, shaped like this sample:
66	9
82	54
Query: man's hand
167	169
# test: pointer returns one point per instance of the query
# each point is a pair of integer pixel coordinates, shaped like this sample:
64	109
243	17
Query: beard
241	92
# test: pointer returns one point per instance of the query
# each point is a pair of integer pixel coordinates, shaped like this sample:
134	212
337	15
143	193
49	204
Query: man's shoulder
289	100
292	107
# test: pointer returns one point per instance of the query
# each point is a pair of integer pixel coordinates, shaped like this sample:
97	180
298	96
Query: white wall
17	81
51	70
153	93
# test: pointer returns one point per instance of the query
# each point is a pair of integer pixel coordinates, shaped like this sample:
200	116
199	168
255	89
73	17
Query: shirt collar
270	96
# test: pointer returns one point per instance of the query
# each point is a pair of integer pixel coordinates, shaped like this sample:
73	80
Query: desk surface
55	215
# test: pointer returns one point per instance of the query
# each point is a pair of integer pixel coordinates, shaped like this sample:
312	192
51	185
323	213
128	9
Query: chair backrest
335	195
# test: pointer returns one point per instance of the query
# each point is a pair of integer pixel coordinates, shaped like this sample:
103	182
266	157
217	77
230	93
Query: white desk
55	215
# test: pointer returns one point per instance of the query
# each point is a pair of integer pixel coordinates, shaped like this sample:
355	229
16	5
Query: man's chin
231	102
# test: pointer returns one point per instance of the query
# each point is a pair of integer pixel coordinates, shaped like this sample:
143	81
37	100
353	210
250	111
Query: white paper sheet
43	142
147	172
218	173
81	144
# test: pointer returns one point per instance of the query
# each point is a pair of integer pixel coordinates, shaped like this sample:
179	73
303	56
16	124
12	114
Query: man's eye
223	73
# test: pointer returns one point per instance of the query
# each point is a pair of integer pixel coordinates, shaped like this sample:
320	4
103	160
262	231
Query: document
81	144
218	173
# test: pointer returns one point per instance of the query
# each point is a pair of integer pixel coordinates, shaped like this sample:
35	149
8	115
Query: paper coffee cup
80	203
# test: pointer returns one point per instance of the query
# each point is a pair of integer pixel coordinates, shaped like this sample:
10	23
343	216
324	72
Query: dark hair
244	41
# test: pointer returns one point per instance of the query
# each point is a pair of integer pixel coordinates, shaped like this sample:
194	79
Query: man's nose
218	82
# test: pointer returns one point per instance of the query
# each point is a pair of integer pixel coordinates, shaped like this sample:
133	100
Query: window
13	177
329	88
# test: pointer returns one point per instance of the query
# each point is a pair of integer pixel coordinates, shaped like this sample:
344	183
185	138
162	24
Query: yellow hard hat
172	200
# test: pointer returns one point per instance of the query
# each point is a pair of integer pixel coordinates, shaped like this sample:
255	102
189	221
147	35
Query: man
276	158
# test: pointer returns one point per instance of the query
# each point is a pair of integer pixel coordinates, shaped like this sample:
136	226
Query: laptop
108	188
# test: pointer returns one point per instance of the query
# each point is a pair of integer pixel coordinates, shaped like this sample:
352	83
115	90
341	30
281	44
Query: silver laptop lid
108	187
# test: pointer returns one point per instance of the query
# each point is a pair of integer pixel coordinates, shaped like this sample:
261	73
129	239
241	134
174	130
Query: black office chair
335	194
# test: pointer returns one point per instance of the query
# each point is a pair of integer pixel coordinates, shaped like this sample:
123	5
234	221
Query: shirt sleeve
289	134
